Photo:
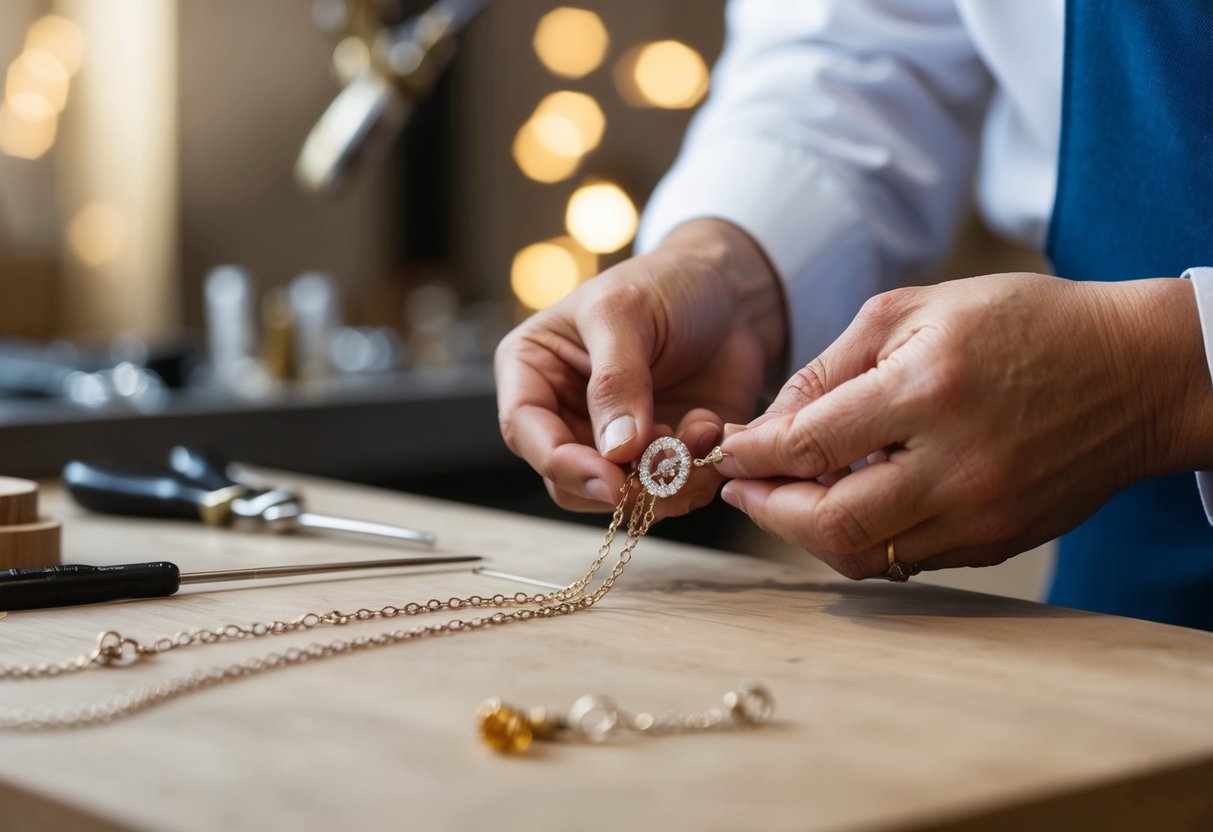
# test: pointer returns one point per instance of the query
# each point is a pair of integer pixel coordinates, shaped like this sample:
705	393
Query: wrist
1162	329
747	276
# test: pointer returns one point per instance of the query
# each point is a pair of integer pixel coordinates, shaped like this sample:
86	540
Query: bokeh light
39	72
666	74
26	138
31	106
571	42
60	37
601	217
574	110
97	233
536	161
564	127
558	135
543	273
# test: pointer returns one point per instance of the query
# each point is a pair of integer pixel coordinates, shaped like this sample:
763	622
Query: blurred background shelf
414	424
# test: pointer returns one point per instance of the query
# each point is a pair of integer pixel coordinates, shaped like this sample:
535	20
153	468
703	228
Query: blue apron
1135	199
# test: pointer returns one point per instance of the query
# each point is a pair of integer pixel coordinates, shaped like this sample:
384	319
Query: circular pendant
673	466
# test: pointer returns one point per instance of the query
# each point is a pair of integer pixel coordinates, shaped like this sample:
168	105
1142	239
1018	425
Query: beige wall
253	80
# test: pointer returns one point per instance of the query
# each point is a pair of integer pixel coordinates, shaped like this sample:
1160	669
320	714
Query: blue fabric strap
1135	199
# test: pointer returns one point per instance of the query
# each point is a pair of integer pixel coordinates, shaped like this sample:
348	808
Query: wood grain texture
18	501
899	706
30	544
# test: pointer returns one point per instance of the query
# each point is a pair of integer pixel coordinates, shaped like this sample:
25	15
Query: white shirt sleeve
1202	283
842	136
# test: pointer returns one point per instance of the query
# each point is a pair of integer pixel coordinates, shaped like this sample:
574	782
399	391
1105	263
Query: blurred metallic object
431	312
361	350
316	312
124	384
278	335
62	371
231	331
405	63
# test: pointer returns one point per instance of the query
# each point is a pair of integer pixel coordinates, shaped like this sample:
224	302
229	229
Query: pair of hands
1003	410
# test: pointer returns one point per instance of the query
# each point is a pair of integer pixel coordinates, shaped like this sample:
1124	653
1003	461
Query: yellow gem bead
505	729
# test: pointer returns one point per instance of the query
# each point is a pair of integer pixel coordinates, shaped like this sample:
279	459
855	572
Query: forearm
841	137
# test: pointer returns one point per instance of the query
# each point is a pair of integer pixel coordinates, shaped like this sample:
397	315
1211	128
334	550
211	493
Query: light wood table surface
899	706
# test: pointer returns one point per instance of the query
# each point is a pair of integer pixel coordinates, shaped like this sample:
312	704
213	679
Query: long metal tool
290	515
76	584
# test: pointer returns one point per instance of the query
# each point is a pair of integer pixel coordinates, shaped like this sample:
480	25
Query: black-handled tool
202	466
146	491
74	584
196	485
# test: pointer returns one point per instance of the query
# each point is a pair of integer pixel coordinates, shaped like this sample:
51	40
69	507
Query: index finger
536	426
845	425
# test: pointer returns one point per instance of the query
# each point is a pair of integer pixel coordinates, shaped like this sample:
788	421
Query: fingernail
600	491
730	429
619	432
704	444
729	495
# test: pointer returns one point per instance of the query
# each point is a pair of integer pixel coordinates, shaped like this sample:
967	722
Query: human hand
676	340
1011	407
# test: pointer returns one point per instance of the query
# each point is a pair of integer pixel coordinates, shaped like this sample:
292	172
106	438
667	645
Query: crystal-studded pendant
673	466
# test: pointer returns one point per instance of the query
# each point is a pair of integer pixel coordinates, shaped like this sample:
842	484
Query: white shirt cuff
799	212
1202	283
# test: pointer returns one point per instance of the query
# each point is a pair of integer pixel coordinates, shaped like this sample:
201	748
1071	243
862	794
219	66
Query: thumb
858	349
619	396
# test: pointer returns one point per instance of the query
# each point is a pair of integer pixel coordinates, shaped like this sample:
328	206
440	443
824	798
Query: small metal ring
751	703
593	717
898	572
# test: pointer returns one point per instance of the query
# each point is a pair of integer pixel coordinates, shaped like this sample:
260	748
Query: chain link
115	650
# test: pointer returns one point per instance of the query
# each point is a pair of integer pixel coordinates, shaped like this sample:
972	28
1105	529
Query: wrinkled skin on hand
1010	407
672	342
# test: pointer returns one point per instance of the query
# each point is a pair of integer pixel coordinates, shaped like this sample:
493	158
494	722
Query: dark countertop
382	428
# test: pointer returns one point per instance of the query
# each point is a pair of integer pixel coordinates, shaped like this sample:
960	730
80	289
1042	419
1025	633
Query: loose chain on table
116	650
595	718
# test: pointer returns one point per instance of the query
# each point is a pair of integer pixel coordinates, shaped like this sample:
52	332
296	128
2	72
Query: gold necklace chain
116	650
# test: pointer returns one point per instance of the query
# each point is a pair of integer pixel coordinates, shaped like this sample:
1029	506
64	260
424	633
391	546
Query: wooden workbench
899	706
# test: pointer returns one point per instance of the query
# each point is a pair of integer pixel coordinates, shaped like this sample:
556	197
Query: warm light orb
38	71
558	135
587	261
571	42
537	161
665	74
31	106
601	217
577	110
564	127
26	138
60	37
97	233
543	273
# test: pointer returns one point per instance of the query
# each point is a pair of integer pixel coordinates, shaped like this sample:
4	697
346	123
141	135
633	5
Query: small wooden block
18	501
30	544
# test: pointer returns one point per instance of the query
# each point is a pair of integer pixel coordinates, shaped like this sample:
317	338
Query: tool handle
71	585
141	491
202	466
